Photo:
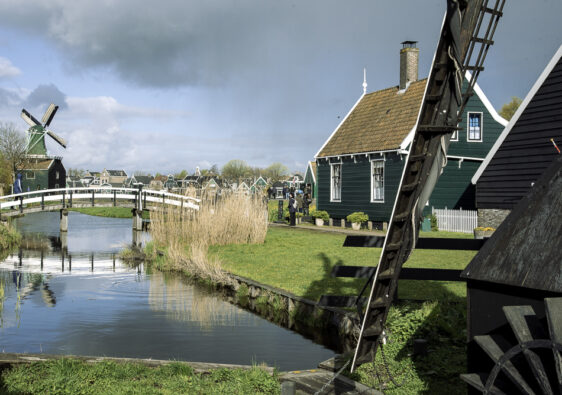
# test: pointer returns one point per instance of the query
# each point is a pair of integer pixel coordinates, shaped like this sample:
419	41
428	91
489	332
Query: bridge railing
69	195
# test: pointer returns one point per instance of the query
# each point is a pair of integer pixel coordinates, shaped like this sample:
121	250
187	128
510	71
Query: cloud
44	95
7	69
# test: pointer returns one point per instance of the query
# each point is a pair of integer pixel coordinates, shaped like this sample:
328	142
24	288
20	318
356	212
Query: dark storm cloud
180	42
44	95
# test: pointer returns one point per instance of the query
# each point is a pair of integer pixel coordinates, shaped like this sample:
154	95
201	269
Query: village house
359	167
310	184
112	177
525	148
43	173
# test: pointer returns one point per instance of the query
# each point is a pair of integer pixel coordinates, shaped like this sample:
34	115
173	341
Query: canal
84	301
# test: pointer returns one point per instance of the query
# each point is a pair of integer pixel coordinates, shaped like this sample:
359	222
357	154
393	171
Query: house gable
524	149
379	121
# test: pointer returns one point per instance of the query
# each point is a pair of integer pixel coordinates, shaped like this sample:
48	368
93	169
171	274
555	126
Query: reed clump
187	235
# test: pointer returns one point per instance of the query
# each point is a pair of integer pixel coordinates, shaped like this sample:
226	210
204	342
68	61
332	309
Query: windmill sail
29	119
49	114
58	139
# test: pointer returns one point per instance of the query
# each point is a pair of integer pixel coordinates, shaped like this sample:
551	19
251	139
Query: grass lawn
301	260
70	376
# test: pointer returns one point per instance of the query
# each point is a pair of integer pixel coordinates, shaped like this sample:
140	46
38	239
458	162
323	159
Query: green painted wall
356	187
41	180
308	179
453	190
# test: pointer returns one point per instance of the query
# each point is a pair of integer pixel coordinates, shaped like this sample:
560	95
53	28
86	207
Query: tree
13	147
214	170
234	170
509	109
181	175
276	171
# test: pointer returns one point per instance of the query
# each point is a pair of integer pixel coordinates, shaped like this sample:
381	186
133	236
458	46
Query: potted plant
481	232
357	219
320	216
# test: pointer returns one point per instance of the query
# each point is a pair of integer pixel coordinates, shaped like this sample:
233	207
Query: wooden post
93	198
63	195
144	204
21	204
114	198
70	200
42	201
64	220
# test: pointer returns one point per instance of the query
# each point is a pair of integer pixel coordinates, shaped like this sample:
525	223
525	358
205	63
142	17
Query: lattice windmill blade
58	139
29	119
49	114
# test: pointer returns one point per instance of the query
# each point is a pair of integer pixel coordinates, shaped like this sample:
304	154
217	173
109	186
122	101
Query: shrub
486	229
358	217
320	214
433	219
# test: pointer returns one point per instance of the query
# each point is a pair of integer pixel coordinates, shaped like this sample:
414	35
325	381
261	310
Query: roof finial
364	80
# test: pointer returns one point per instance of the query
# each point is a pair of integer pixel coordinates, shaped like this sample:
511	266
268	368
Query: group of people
300	204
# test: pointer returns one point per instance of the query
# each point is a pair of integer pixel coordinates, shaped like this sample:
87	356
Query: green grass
70	376
301	260
113	212
443	325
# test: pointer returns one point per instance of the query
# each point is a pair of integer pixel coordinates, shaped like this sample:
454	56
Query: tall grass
187	235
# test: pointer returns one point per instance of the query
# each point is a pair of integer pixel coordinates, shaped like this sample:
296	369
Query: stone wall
491	217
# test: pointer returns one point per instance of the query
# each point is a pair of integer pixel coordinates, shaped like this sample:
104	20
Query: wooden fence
463	221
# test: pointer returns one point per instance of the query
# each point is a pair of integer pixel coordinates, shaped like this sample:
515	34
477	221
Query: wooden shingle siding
527	150
356	187
454	189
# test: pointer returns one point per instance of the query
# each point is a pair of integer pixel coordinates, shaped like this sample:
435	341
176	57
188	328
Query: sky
174	84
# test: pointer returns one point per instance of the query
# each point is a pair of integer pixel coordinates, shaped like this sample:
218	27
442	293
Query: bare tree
13	147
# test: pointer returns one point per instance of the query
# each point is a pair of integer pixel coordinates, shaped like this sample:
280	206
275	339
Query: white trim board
545	73
312	171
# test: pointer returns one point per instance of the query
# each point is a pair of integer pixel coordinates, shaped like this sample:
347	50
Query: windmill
37	131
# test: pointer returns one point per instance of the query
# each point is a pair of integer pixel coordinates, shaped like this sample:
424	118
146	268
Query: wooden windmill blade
49	115
28	118
58	139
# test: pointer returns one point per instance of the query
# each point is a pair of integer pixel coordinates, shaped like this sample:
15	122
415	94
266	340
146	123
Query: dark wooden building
43	173
524	149
360	165
519	265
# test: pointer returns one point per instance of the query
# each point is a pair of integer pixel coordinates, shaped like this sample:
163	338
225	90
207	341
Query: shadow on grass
440	326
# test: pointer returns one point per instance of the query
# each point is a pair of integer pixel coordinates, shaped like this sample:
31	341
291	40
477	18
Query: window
30	175
474	126
335	190
377	181
57	175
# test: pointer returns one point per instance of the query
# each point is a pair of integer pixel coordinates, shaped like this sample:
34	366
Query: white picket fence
463	221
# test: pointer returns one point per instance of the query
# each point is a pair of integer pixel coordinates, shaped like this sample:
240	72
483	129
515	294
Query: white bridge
64	198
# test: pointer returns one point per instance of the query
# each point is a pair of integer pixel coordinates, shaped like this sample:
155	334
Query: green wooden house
360	165
310	184
43	172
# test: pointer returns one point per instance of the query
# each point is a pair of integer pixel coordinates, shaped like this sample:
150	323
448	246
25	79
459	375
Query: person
292	209
306	204
299	202
17	184
285	192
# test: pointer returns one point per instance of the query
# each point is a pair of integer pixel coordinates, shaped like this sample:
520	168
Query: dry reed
187	235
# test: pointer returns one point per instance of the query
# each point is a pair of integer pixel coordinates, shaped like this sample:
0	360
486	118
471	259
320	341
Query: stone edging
343	324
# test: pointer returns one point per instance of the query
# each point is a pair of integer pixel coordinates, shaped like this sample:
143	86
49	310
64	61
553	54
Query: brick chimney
409	55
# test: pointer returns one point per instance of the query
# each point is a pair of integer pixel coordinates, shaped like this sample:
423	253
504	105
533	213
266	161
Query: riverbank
298	262
42	374
9	238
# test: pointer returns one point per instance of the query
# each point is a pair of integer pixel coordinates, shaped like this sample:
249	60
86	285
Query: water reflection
64	298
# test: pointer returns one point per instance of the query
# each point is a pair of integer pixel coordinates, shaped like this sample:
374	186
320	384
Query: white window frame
332	165
455	135
468	139
30	175
373	200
